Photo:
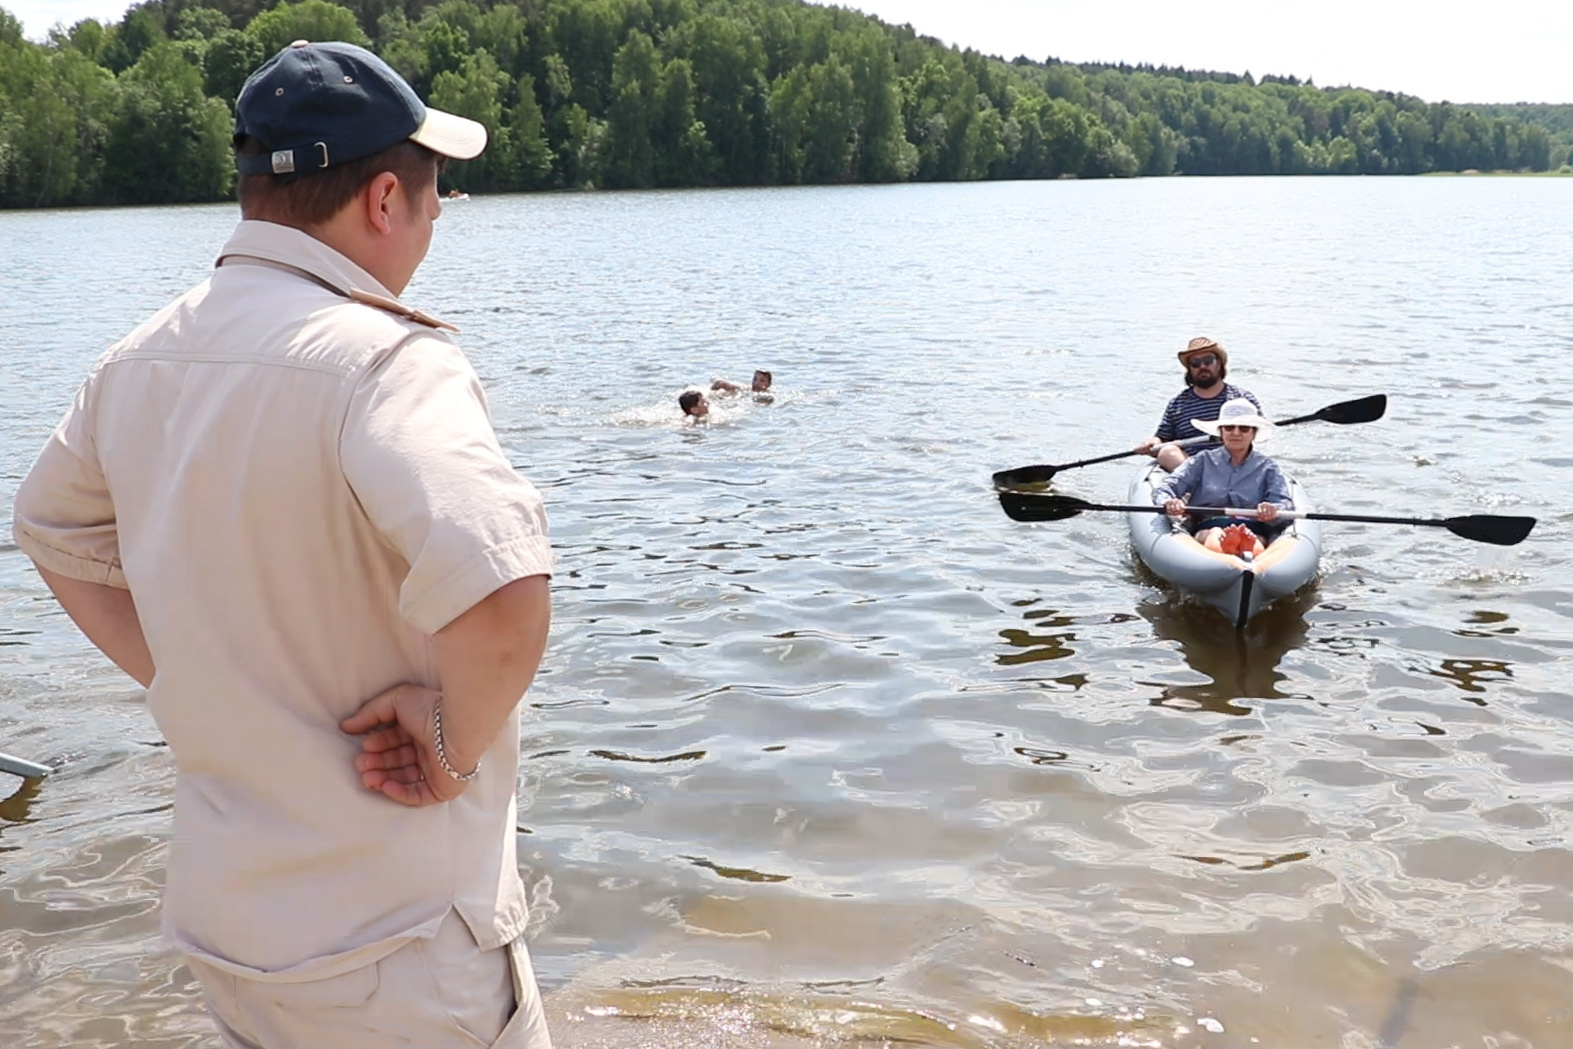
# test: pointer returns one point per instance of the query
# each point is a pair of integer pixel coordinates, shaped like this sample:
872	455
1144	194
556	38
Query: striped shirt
1178	416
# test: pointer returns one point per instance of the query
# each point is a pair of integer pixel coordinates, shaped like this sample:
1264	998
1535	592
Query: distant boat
454	194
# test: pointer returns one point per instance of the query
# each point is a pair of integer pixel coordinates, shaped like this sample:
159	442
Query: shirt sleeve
419	451
1178	484
64	518
1276	487
1167	427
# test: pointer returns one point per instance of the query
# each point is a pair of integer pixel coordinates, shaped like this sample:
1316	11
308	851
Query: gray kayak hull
1237	589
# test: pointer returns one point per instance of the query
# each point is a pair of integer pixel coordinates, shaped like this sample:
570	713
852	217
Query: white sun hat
1238	412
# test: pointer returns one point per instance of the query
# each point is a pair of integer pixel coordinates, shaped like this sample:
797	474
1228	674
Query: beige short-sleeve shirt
296	478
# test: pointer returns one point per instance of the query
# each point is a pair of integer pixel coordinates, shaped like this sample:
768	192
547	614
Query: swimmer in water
693	403
759	384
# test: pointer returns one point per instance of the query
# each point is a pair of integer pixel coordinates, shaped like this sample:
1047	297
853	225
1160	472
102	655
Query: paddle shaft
1286	515
1482	528
1282	515
1360	410
1187	443
22	767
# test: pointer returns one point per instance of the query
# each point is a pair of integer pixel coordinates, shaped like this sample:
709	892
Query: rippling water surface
827	751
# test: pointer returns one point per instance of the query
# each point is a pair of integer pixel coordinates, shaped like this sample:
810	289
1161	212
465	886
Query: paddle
1482	528
22	767
1363	410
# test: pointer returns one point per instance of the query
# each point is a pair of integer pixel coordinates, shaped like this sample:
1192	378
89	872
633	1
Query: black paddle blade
1025	506
1365	410
1487	528
1024	475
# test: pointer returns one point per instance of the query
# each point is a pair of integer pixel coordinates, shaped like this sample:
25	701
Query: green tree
700	92
882	152
728	64
305	20
138	31
684	155
629	157
167	142
231	57
200	23
529	154
88	37
476	91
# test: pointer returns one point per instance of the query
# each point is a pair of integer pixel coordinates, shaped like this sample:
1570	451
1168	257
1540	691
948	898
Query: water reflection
950	784
14	809
1050	636
1472	676
1048	639
1238	664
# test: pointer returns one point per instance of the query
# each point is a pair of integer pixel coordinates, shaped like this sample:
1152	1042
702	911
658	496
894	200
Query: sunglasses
1204	361
1226	426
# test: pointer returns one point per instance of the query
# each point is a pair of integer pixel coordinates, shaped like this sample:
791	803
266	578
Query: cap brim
458	138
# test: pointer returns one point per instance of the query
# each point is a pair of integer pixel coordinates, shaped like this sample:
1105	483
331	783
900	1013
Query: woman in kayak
1234	475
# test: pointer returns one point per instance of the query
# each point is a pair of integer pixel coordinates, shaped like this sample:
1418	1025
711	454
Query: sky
1440	50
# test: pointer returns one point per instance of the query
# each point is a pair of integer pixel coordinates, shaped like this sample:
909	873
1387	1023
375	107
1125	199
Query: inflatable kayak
1236	587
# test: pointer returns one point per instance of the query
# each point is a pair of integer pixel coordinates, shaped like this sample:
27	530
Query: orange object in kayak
1237	539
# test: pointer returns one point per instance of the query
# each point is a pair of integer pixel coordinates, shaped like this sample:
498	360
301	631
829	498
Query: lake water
828	752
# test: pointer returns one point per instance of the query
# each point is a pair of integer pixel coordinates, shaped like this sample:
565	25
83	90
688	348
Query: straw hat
1203	343
1238	412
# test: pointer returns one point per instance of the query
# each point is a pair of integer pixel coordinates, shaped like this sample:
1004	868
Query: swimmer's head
693	403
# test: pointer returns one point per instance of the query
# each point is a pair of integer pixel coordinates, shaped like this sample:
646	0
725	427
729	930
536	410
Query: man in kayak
1234	475
1206	364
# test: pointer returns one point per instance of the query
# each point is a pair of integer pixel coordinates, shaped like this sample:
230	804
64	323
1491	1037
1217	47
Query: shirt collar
289	246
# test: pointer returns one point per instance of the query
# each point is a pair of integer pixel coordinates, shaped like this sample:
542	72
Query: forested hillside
1556	119
636	93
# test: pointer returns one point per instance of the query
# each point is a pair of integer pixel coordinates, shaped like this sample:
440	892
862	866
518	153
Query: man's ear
377	196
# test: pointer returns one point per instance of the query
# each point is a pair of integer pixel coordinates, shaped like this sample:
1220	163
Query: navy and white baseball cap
317	106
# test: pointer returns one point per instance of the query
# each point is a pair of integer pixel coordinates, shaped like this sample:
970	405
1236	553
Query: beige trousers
442	993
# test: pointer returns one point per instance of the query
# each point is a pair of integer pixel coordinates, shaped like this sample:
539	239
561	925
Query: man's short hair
312	199
686	401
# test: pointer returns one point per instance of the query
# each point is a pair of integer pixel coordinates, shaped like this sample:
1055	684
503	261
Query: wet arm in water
107	615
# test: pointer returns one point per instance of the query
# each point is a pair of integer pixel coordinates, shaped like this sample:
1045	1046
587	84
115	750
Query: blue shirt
1186	407
1210	478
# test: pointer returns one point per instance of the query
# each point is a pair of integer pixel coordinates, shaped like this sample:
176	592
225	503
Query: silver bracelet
442	754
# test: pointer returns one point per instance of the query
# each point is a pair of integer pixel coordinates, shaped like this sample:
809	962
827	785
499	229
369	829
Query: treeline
640	93
1556	119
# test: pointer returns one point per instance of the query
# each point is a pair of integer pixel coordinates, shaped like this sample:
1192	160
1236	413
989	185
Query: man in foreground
1206	364
280	506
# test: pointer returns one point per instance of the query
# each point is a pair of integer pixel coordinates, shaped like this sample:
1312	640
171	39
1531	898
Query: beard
1190	376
